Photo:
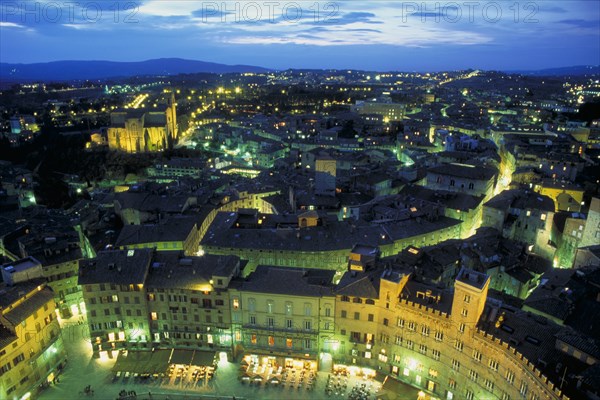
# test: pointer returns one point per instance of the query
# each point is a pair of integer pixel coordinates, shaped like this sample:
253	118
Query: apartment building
283	312
31	346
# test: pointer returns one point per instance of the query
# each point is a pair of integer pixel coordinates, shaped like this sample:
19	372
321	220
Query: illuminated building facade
285	312
139	298
325	245
31	347
454	343
140	130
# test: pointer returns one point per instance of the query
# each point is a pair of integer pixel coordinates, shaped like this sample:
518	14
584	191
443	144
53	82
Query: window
523	388
356	315
271	341
469	395
455	365
289	324
18	359
400	323
461	328
370	317
270	322
410	344
270	306
345	298
253	320
411	326
288	308
422	349
473	375
439	336
344	313
464	312
386	322
425	330
288	343
236	303
510	376
327	311
307	325
493	364
452	384
153	316
489	385
251	305
459	345
307	344
307	310
433	373
467	298
253	339
476	355
435	354
398	340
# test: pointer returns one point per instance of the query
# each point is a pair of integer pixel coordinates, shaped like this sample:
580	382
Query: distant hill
81	70
578	70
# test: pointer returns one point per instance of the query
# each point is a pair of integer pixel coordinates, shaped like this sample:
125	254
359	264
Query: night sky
377	35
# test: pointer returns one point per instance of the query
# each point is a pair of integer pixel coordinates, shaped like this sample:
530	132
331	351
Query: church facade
143	130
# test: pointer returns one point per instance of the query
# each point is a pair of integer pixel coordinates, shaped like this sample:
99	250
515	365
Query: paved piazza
83	370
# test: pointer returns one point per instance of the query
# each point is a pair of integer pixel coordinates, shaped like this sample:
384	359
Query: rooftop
169	269
124	267
289	281
472	278
465	171
174	229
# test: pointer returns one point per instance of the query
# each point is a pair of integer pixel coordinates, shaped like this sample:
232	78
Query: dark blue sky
379	35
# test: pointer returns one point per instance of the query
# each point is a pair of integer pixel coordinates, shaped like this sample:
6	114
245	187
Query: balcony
258	327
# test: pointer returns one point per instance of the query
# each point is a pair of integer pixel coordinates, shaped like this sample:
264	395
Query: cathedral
143	130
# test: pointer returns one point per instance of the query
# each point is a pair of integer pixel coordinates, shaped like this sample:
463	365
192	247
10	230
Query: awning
122	364
181	357
135	361
203	358
159	362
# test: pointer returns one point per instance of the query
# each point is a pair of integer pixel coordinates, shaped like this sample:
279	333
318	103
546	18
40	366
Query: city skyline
422	36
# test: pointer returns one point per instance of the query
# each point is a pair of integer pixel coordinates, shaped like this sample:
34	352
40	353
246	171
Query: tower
325	174
470	293
171	113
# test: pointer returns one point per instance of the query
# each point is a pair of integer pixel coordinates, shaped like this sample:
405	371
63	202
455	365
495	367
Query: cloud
211	12
580	23
348	18
11	25
553	9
